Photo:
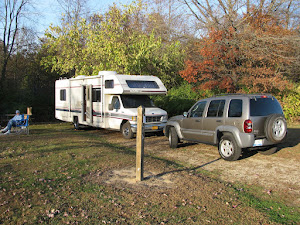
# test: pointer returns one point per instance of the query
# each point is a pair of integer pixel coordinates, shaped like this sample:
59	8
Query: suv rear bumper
248	141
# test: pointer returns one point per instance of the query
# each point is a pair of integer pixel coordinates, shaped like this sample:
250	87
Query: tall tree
11	12
257	58
73	9
221	14
116	41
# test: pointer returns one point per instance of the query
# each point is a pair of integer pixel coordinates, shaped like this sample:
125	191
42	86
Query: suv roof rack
242	94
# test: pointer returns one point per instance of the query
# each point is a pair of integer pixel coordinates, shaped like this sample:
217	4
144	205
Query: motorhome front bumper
155	127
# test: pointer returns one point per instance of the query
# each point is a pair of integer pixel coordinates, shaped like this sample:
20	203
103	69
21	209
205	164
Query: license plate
258	142
155	128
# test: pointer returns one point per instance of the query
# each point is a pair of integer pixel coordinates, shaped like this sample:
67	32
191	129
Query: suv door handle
197	120
219	121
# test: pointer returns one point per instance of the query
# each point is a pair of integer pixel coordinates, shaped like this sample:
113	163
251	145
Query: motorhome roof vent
107	73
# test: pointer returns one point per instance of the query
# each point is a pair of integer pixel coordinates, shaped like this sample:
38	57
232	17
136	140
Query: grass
57	175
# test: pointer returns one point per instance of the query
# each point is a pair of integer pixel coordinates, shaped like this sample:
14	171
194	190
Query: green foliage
179	99
115	41
291	104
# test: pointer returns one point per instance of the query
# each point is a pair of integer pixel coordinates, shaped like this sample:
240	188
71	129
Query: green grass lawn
59	176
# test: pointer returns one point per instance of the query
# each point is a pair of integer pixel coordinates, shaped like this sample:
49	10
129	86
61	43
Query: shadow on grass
181	170
292	139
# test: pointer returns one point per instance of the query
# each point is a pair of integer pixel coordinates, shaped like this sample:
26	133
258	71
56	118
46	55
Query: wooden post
140	145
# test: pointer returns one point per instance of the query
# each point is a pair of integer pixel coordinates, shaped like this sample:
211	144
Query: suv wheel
228	148
275	128
173	138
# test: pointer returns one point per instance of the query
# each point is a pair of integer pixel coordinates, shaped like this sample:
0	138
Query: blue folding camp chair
23	124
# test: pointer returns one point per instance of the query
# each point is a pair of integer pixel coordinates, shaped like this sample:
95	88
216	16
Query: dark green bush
178	100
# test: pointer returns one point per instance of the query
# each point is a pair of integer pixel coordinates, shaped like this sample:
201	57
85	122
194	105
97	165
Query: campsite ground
277	173
59	175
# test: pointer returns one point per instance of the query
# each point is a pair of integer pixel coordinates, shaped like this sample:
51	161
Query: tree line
197	47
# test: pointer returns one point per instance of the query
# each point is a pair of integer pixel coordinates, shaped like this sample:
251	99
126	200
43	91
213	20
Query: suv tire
173	138
126	130
275	128
228	148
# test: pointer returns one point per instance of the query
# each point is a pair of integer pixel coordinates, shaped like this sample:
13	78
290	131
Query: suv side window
235	108
216	108
198	109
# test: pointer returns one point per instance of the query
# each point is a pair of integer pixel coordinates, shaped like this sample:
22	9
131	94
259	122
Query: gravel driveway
275	173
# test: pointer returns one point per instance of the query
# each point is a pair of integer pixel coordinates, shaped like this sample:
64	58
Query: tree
116	41
73	9
258	58
11	12
222	14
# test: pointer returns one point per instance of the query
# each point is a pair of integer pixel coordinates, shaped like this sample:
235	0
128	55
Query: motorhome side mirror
110	107
185	114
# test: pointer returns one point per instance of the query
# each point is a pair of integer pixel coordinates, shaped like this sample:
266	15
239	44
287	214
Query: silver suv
233	122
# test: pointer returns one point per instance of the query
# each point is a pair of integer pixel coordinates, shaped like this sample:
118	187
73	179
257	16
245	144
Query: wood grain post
140	145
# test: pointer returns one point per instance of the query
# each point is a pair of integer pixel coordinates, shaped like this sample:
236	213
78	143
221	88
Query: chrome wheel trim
126	131
226	148
278	128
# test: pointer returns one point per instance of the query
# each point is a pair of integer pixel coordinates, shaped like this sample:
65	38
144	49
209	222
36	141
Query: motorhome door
115	113
87	104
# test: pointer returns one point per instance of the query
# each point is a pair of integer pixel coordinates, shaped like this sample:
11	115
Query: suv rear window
264	107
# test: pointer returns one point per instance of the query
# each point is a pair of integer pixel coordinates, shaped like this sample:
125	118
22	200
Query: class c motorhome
110	100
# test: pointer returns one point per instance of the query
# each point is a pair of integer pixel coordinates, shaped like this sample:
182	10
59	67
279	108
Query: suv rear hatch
260	108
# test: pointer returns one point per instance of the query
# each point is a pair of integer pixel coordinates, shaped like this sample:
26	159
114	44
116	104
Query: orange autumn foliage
253	59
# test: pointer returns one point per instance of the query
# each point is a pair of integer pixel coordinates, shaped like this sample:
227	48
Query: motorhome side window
96	94
109	84
63	95
141	84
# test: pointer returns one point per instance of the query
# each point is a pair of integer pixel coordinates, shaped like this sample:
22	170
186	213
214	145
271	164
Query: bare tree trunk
11	15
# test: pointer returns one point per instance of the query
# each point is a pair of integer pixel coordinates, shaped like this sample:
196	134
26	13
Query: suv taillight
248	126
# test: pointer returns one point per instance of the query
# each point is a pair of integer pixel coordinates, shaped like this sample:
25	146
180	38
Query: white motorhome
110	100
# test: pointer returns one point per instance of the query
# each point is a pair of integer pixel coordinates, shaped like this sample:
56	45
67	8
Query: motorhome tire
76	123
126	130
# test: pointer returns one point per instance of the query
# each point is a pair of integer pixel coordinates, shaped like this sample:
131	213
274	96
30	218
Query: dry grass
57	175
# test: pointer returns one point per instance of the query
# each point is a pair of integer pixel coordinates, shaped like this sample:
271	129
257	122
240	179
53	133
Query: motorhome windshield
134	101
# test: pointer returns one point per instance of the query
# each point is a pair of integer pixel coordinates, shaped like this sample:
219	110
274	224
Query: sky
49	11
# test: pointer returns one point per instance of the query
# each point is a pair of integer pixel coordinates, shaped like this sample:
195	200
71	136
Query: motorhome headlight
164	118
133	118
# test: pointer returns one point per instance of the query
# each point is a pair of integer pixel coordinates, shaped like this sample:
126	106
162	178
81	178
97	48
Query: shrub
290	102
178	100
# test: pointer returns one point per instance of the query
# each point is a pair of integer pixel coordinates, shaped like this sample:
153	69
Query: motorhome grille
152	119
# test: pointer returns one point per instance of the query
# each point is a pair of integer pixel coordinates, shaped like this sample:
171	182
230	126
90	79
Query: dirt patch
127	175
277	173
